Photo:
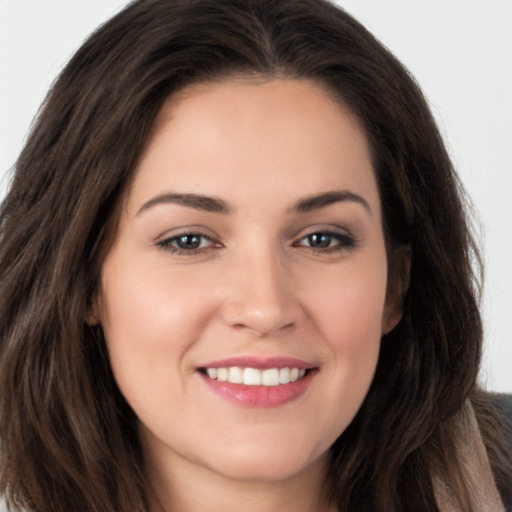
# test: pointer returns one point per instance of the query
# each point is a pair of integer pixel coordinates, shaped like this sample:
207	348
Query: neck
184	487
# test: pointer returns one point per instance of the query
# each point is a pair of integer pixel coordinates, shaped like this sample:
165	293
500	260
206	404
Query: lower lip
260	396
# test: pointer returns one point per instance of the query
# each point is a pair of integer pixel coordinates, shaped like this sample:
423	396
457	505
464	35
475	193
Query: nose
260	296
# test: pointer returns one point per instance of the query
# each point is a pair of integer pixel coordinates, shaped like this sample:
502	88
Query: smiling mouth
269	377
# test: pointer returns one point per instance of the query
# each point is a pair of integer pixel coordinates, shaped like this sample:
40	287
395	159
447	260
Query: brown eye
187	244
188	241
326	241
320	240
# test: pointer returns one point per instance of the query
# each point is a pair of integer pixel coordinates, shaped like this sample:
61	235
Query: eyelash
166	244
343	242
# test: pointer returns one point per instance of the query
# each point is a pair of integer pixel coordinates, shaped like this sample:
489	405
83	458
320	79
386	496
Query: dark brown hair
69	440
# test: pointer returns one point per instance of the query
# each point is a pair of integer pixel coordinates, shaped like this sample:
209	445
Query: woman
236	274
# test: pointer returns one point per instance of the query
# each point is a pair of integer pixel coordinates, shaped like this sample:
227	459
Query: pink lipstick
259	382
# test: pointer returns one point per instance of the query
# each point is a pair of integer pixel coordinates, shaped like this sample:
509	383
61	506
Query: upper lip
260	363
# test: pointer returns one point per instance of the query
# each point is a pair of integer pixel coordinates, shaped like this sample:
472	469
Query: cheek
348	307
149	321
146	306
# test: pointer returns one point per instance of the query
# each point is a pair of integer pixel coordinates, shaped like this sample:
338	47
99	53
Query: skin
255	287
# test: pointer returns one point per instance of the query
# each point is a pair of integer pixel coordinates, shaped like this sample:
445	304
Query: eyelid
346	240
192	229
323	228
164	242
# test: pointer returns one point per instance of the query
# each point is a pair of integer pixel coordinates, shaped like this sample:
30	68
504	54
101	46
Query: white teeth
222	374
236	375
284	375
270	377
252	377
255	377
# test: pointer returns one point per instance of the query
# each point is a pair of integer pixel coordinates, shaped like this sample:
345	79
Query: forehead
223	137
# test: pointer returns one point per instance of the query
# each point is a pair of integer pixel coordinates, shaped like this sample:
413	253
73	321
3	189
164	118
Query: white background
459	50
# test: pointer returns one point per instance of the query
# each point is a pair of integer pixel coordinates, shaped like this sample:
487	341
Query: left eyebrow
196	201
319	201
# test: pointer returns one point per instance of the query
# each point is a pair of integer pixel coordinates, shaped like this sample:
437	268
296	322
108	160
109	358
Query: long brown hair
69	439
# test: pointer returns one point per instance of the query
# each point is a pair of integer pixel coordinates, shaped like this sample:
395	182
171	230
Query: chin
256	464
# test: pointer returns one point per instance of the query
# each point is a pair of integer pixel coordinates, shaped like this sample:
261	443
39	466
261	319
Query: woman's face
244	299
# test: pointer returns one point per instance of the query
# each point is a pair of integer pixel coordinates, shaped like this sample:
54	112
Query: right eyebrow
196	201
319	201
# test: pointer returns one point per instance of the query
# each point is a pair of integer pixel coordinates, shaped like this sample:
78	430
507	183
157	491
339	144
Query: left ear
398	283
